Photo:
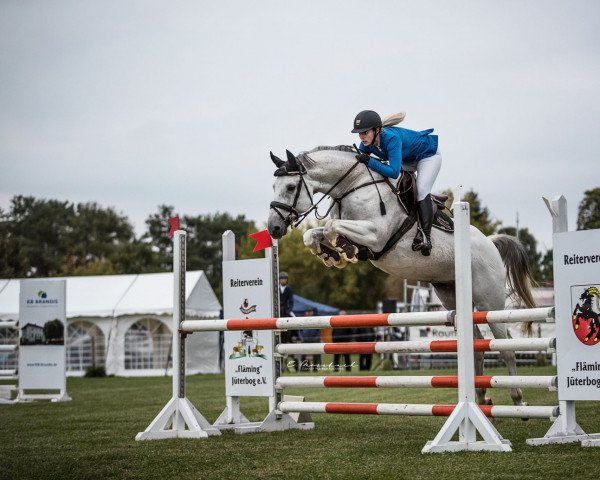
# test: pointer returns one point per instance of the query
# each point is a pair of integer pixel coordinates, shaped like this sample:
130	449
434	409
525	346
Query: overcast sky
136	104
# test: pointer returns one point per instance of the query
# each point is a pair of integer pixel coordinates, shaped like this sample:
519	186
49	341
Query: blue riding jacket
397	145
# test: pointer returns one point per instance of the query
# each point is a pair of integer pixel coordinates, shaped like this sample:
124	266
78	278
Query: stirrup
418	242
422	244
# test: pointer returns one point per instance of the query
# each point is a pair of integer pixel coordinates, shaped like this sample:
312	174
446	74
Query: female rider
402	149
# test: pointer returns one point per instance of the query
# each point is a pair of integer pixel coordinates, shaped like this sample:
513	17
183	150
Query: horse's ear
291	160
276	160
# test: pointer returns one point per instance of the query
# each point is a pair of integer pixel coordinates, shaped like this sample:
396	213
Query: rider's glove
363	158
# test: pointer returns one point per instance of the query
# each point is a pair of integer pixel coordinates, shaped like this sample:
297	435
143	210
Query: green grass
93	437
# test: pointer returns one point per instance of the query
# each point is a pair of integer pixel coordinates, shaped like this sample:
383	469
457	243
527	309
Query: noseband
293	217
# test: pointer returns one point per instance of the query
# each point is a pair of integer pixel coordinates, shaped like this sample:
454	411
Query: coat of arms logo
586	315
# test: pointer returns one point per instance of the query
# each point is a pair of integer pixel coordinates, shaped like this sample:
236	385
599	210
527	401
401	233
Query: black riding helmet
366	120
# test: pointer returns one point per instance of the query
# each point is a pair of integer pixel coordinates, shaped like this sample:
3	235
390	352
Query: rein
294	218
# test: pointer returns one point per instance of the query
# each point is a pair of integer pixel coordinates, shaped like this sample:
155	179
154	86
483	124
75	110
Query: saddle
406	192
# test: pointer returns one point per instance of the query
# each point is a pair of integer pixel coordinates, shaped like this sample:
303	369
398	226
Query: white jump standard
7	390
179	418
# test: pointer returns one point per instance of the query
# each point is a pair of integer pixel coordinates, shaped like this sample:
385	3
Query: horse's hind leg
447	295
479	362
499	330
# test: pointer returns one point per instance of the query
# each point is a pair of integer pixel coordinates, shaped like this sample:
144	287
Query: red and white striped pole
424	381
418	346
410	319
494	411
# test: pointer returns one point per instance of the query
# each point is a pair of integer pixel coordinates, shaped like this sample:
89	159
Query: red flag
263	240
173	225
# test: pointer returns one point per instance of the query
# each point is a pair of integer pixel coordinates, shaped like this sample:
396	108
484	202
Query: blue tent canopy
301	304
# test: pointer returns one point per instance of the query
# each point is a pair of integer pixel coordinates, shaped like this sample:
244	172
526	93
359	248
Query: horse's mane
306	160
341	148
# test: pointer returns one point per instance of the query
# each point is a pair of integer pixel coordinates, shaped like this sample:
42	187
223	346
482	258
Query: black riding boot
422	241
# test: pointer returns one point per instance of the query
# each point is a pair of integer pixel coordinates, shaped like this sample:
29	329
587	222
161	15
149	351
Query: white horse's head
328	170
293	194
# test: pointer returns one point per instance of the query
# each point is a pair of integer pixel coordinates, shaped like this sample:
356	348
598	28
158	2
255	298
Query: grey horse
499	262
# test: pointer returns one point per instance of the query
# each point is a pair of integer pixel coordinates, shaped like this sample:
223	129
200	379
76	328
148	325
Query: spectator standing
365	335
286	296
341	335
286	306
311	335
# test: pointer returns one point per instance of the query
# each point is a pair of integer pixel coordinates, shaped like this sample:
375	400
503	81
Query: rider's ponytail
393	119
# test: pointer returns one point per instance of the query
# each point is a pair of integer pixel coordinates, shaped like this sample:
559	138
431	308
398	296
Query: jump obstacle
8	374
180	419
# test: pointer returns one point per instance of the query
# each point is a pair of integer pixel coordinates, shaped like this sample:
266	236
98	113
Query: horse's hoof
330	252
348	251
326	260
341	264
349	259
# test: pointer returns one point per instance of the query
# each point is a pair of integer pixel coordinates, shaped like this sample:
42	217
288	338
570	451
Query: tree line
48	238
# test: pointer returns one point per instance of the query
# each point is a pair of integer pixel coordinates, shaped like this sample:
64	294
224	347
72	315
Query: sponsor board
42	321
577	287
247	293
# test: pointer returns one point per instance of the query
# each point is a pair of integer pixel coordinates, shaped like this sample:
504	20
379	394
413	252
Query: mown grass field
93	437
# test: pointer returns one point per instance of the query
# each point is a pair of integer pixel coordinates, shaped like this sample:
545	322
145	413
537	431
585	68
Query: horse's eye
291	188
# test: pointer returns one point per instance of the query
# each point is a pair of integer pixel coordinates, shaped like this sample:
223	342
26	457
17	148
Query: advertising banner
42	331
577	287
247	293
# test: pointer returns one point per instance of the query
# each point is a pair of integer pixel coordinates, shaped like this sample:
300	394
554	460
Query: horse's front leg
345	235
315	241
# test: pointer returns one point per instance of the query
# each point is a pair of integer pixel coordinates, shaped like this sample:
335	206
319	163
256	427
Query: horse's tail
518	273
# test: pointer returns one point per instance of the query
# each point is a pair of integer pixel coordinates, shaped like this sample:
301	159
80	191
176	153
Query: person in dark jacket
286	305
286	296
310	335
364	335
342	335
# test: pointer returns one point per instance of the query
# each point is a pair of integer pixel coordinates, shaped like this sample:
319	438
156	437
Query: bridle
294	217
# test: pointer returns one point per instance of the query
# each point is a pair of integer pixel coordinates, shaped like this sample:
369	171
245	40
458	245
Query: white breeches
427	171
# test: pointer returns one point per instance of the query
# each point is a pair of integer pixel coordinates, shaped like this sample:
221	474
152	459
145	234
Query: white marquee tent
123	322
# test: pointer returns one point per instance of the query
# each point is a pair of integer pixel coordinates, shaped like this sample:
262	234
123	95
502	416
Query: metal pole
179	261
232	404
273	254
